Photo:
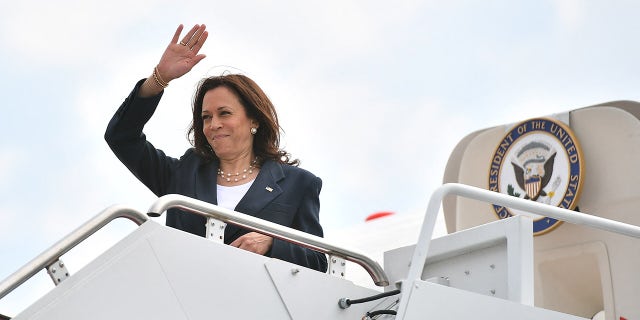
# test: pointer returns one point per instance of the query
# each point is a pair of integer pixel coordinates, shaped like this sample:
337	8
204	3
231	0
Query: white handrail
424	240
51	255
271	229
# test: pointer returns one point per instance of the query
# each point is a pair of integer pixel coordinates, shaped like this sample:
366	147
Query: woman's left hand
180	56
254	242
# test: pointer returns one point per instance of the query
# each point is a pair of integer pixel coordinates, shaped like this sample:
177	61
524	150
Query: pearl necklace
236	176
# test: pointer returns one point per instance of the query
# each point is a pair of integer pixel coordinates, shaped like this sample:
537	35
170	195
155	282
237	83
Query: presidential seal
538	160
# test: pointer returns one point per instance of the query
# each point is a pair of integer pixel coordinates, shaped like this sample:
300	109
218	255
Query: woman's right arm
126	139
124	133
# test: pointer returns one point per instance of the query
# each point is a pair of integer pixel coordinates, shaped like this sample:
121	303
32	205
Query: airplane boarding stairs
160	273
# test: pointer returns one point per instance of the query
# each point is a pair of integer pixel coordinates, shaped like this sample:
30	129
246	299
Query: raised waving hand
178	58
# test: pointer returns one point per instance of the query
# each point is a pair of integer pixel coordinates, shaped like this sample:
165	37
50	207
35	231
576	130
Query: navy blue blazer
281	193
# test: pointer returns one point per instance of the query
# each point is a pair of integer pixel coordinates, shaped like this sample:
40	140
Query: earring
254	130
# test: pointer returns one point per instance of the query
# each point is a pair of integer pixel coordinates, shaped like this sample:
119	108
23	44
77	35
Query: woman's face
226	125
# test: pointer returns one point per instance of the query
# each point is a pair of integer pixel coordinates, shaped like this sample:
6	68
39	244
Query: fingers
198	58
190	34
254	242
198	45
182	55
176	35
195	37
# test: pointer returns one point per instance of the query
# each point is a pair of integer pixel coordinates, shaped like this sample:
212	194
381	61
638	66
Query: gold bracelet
158	79
157	82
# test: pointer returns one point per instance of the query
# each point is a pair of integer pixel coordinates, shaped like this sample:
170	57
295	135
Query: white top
228	197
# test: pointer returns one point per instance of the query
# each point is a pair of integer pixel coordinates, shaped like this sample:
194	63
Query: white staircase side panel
434	301
103	289
321	300
160	273
494	259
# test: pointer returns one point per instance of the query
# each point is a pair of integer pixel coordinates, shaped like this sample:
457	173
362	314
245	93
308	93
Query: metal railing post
52	255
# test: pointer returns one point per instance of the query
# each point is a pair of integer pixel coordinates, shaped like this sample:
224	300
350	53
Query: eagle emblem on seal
533	168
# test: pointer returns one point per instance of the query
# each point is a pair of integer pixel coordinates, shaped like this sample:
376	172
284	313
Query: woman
236	161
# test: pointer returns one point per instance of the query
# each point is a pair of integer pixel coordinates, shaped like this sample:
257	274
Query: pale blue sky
373	95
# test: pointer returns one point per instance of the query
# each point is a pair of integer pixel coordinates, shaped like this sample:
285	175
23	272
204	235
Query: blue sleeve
126	139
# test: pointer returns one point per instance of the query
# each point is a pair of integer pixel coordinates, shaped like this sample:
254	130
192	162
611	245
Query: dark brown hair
266	142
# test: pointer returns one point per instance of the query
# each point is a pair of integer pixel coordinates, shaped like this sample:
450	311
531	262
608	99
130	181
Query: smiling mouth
218	137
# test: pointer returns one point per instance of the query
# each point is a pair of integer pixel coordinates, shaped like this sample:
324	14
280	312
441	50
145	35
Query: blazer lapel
263	190
206	180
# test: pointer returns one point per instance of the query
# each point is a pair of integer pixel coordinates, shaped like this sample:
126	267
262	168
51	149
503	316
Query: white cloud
66	33
9	159
9	210
571	14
